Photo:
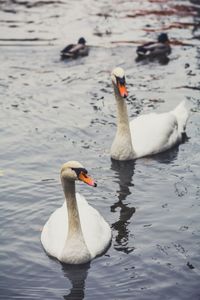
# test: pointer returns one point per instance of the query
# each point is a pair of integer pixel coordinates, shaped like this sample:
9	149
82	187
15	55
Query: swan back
154	133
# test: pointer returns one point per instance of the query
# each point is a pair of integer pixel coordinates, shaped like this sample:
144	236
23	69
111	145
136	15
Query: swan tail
182	115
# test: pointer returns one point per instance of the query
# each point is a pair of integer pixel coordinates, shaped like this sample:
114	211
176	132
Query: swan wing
154	133
54	233
96	231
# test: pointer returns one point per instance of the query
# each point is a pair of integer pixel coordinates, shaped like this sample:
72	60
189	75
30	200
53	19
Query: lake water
53	111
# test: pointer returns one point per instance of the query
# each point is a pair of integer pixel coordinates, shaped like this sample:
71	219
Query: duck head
163	38
82	41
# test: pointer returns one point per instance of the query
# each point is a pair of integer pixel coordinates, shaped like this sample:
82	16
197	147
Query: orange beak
85	178
122	90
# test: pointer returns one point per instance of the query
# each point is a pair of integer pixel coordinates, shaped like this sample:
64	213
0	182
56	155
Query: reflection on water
161	59
124	172
77	275
167	157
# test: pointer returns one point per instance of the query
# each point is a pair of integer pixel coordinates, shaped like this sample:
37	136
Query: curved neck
122	148
122	114
75	249
74	226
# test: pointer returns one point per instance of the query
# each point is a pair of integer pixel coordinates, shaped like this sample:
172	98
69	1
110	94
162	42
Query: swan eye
78	171
121	80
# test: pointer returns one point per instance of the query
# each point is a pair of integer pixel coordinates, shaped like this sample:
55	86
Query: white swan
147	134
75	233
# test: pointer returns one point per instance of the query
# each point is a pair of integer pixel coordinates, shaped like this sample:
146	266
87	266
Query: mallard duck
154	49
75	233
75	50
147	134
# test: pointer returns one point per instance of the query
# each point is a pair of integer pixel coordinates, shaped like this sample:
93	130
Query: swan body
75	50
76	232
147	134
153	49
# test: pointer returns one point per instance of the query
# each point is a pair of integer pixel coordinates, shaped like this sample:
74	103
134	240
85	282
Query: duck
155	49
147	134
75	50
75	233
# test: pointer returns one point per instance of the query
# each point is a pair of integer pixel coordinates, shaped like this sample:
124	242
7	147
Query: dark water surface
53	111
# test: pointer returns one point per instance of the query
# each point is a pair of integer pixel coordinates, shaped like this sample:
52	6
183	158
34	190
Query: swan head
119	81
73	170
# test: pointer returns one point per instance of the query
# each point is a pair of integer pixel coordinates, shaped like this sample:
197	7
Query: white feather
154	133
96	231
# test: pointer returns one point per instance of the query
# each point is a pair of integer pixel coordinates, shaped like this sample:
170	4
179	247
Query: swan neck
74	225
122	114
75	249
122	148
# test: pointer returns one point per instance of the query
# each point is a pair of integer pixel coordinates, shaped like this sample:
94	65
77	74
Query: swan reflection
77	275
124	172
167	157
